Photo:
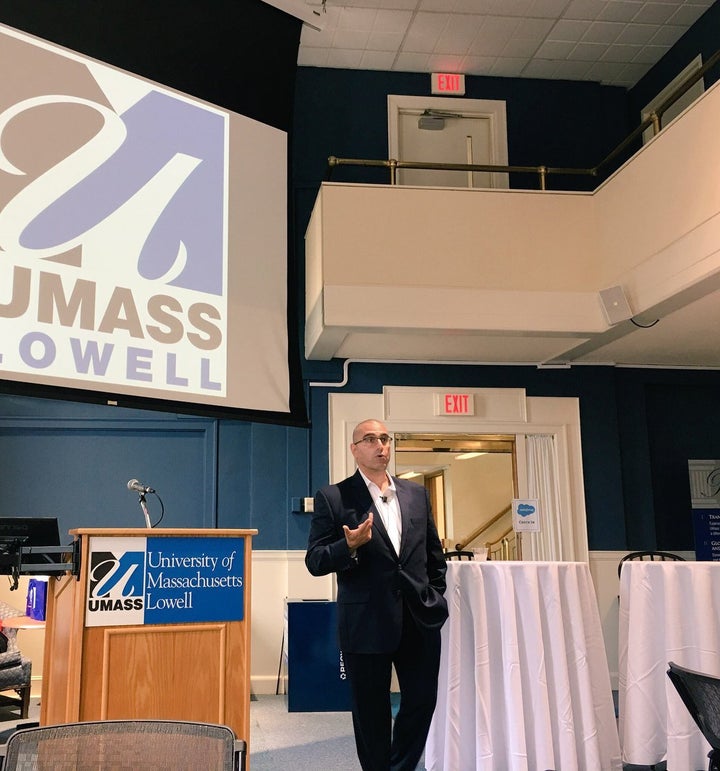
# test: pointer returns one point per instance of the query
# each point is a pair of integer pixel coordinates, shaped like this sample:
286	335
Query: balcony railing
653	120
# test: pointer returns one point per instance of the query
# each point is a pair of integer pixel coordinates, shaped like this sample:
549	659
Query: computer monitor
23	533
29	531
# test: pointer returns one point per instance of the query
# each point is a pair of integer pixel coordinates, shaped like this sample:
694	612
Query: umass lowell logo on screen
117	583
113	225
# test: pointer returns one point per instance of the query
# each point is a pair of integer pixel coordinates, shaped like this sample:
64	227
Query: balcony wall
514	276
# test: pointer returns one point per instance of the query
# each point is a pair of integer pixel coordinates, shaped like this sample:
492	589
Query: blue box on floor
316	674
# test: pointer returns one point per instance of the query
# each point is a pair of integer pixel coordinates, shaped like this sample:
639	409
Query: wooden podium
178	671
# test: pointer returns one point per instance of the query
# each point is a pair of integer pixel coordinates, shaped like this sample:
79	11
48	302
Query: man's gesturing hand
361	535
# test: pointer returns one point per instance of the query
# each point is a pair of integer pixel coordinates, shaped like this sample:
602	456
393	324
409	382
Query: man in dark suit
377	533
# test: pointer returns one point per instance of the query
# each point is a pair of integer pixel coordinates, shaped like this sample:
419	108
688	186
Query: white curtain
542	469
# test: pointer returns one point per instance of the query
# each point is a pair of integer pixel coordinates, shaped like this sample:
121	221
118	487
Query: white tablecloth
524	681
669	611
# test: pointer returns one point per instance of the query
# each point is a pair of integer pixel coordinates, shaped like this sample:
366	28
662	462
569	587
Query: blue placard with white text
193	579
165	580
706	530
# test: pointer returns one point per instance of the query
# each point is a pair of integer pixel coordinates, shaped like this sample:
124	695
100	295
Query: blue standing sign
705	496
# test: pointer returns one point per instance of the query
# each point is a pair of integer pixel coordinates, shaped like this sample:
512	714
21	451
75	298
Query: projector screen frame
115	395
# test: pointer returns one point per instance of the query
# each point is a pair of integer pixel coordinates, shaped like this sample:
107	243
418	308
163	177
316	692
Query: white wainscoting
278	575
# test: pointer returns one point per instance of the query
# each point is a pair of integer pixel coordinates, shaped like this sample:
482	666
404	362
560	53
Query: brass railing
393	165
653	120
478	531
505	548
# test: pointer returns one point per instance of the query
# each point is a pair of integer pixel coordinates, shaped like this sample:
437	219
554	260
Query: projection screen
143	239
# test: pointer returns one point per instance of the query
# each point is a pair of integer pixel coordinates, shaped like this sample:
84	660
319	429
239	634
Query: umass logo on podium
117	582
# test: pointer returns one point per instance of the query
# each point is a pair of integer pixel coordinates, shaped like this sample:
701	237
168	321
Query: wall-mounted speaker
615	305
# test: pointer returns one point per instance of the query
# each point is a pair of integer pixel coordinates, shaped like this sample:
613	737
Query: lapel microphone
383	498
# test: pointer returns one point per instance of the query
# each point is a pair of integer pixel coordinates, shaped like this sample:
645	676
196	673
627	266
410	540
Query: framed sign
526	515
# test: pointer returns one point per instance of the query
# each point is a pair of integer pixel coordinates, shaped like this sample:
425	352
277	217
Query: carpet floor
301	741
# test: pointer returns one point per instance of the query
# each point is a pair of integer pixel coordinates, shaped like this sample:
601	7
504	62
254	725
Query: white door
447	130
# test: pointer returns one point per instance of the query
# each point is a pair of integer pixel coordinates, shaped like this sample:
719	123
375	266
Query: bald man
377	533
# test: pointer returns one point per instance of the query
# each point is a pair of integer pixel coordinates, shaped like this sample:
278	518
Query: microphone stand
143	506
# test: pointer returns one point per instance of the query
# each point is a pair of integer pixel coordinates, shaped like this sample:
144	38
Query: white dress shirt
389	509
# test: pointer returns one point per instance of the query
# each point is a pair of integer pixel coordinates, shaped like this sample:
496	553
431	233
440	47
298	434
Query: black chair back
459	555
701	695
651	556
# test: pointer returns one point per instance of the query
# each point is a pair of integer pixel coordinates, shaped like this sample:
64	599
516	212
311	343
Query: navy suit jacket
374	586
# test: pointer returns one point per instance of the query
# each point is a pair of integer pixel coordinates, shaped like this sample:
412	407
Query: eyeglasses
370	439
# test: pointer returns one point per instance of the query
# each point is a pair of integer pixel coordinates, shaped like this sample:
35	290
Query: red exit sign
455	404
448	83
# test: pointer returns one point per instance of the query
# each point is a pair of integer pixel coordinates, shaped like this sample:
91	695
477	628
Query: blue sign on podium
165	580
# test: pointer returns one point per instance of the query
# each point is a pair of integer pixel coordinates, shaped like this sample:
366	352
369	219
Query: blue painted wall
639	427
74	460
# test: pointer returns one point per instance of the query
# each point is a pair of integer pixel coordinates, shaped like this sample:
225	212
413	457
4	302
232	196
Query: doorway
471	480
451	131
497	411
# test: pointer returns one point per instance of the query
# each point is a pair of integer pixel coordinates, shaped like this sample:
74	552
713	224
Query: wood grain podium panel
171	672
183	671
61	659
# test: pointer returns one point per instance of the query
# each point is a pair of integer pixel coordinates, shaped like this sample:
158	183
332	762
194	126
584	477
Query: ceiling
611	41
614	42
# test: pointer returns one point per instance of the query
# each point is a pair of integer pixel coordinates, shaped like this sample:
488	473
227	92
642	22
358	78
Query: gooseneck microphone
138	487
